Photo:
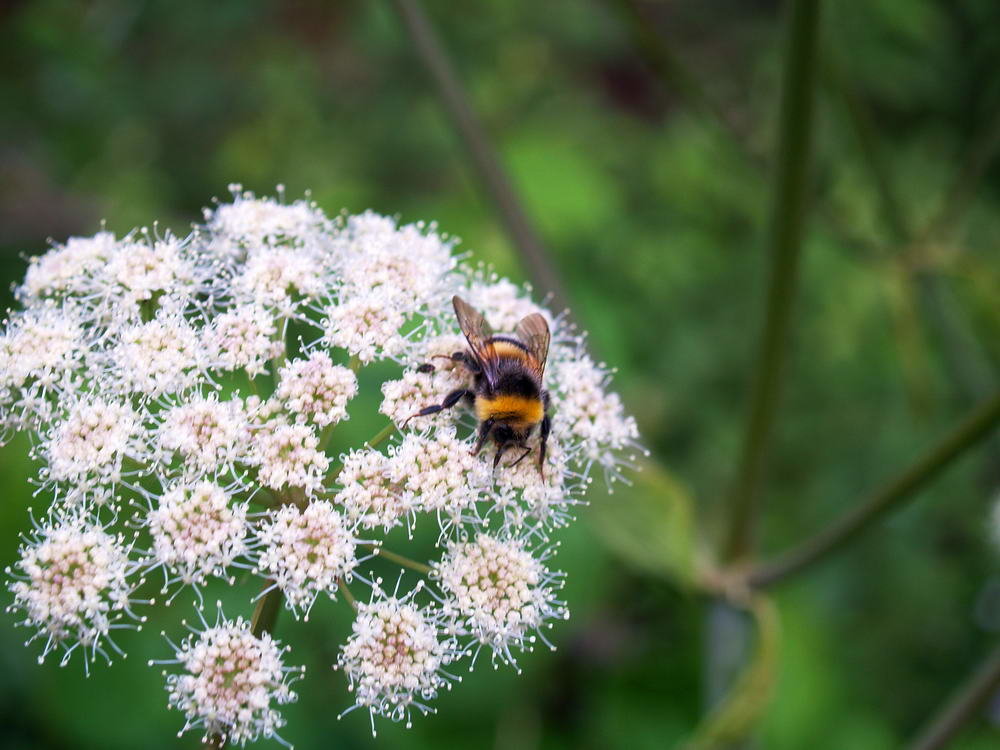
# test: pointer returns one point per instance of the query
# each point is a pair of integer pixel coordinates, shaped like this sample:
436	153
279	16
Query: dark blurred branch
871	155
910	335
962	706
789	194
968	367
671	68
482	153
959	196
975	427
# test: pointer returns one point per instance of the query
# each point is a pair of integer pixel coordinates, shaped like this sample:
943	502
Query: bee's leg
520	458
449	401
463	358
468	360
484	433
501	449
546	427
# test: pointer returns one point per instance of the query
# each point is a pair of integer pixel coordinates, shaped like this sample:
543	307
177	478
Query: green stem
482	154
263	498
785	239
324	437
278	362
254	388
265	615
384	434
975	428
404	561
962	706
342	587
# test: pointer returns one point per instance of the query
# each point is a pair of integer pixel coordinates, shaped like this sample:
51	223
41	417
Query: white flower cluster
186	399
318	389
74	581
501	592
395	657
231	683
197	532
307	552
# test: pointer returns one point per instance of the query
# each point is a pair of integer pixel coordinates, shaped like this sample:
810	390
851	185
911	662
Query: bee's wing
477	332
533	332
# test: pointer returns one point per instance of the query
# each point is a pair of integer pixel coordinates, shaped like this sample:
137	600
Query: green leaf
649	524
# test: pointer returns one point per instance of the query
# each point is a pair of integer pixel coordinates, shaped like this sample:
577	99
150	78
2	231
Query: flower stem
278	361
483	156
788	201
962	706
384	434
400	560
342	586
324	437
976	427
265	615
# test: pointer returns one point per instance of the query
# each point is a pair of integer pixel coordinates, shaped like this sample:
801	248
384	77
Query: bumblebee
507	394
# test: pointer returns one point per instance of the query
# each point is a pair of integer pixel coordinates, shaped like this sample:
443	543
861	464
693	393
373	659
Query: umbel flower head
232	681
73	582
190	401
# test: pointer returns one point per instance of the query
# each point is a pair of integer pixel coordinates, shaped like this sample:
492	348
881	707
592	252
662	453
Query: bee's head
503	434
507	433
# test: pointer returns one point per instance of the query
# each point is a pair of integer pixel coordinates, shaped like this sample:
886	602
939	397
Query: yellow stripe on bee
510	408
507	349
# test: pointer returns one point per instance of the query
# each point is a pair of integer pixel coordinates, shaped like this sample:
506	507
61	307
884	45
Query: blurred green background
655	215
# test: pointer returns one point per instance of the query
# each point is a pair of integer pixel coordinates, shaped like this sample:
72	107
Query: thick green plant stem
481	151
788	208
962	706
728	634
976	427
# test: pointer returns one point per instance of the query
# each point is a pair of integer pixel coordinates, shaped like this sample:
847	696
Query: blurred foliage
133	111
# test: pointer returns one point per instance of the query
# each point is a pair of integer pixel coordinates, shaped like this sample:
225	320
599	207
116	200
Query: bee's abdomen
509	348
510	407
